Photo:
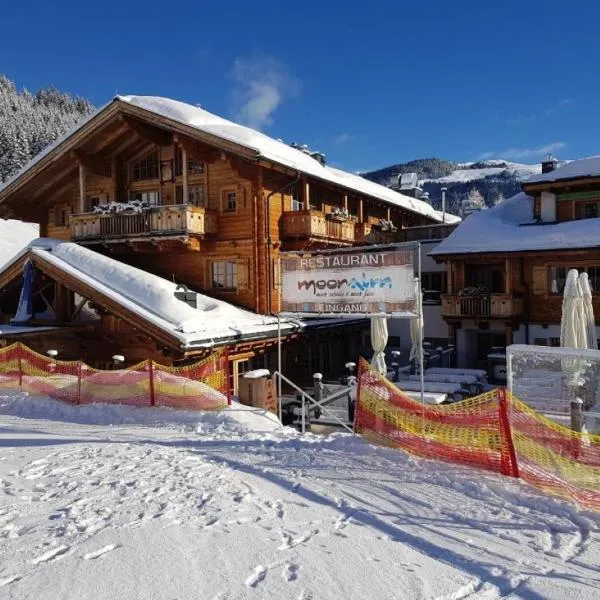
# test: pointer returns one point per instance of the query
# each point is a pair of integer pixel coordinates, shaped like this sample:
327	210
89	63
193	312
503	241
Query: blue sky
370	84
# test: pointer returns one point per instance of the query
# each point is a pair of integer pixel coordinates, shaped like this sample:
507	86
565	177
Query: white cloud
261	84
524	153
343	138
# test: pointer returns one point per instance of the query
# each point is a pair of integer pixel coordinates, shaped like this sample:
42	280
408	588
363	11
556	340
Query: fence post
151	375
508	463
227	376
79	382
361	369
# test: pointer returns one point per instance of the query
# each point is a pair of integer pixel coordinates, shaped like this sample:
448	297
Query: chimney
444	190
549	164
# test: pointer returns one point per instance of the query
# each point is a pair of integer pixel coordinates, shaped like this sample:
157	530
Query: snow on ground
14	236
118	502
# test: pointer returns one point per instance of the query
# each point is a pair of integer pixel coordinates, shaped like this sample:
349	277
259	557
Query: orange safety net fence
203	385
493	431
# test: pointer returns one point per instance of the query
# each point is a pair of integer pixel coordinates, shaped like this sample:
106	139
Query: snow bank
235	419
508	228
14	236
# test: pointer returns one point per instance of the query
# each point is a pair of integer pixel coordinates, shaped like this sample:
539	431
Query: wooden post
507	276
346	202
360	211
389	214
151	375
306	194
81	205
184	173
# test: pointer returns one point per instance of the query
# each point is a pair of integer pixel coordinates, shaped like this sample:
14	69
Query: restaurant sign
349	283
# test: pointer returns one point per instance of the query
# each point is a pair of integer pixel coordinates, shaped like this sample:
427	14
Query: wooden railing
315	224
491	306
155	221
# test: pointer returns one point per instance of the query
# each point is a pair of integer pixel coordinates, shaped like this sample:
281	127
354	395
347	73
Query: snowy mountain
29	122
494	180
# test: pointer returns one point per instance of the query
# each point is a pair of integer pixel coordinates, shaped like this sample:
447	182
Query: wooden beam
197	150
157	136
184	173
53	181
94	164
82	194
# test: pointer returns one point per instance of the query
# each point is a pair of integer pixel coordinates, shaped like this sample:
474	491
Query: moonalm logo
367	283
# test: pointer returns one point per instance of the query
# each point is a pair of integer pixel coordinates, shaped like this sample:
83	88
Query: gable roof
508	227
138	296
257	144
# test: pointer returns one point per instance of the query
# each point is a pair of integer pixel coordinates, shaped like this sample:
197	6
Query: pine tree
29	122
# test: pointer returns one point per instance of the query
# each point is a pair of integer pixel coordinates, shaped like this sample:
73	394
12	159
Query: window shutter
243	275
540	277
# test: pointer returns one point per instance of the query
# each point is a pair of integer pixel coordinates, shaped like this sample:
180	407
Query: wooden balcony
492	306
314	224
367	233
153	222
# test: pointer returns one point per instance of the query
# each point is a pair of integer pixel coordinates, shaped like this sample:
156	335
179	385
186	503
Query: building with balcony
507	265
175	191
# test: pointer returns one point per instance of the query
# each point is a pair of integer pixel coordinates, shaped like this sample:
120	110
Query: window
555	342
147	168
540	342
224	275
195	167
149	198
60	216
195	196
434	281
229	201
488	277
297	205
587	210
558	277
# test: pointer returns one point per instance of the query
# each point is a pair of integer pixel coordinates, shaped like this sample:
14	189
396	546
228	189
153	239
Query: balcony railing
490	306
315	224
176	219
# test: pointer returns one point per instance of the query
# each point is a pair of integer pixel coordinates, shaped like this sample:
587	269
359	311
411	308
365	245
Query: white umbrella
573	332
416	332
379	339
588	309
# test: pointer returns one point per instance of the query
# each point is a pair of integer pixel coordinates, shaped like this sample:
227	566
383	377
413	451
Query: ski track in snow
305	517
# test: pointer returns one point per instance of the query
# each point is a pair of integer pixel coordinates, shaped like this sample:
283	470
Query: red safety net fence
493	431
203	385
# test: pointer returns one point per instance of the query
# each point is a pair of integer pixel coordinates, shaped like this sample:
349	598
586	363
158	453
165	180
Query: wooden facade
509	292
190	207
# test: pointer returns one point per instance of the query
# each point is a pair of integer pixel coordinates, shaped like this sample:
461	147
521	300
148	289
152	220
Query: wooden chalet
507	266
175	191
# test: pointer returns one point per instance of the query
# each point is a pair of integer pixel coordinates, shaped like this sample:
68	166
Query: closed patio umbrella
379	340
573	328
416	333
588	309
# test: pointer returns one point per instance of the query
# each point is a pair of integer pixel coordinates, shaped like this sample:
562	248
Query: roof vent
185	295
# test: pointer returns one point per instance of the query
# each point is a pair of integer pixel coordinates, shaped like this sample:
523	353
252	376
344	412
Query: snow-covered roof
152	298
574	169
508	228
14	236
273	150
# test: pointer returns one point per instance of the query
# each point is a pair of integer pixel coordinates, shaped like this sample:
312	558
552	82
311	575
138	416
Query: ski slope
102	502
